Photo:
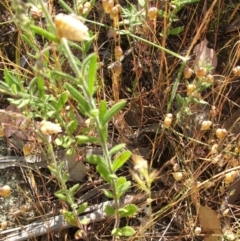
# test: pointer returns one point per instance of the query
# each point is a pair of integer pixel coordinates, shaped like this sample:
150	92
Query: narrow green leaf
90	78
128	210
120	160
102	109
44	33
82	208
107	193
4	88
122	186
117	148
78	97
32	86
7	77
73	189
127	231
61	196
58	74
53	170
14	89
113	111
109	210
176	31
62	100
82	139
69	216
104	172
40	82
95	159
85	221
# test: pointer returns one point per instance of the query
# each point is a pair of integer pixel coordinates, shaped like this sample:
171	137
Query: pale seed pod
114	12
108	5
168	120
213	112
176	167
28	148
78	234
117	68
236	71
23	209
209	79
105	5
190	89
118	52
4	225
216	159
221	133
225	212
214	148
201	72
206	125
178	176
5	191
71	28
80	9
188	72
230	177
152	13
197	230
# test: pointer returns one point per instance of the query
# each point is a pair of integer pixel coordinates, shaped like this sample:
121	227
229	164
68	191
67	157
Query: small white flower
49	128
71	28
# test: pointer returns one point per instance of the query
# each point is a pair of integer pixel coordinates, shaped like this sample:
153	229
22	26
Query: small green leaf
112	112
69	216
176	31
44	33
127	231
82	208
128	210
117	148
122	185
95	159
120	160
62	100
104	172
109	210
107	193
85	221
78	97
73	189
41	90
53	170
14	89
91	69
59	194
102	109
82	139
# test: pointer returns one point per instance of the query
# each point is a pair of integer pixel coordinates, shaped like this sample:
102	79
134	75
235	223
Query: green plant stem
69	55
175	86
92	105
184	59
60	178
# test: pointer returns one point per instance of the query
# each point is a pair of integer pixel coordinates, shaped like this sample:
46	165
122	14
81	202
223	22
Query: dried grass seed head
49	128
71	27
